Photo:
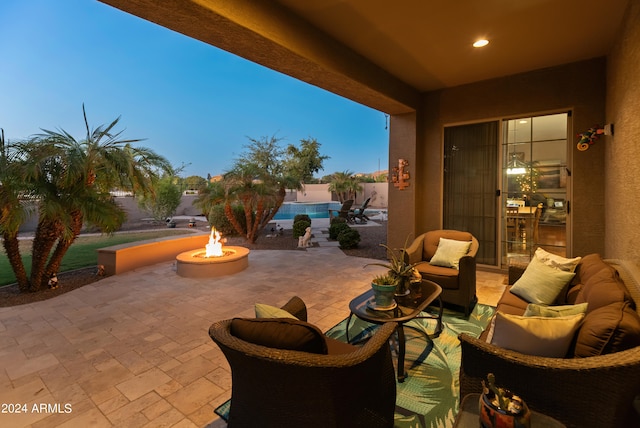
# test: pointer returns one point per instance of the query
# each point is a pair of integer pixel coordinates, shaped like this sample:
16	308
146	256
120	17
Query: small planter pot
493	417
383	296
402	289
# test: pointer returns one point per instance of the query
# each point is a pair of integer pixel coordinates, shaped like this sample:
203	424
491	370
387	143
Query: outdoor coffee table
408	307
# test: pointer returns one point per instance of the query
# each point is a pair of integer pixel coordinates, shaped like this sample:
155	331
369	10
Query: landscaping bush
219	220
302	217
349	238
300	227
334	220
336	228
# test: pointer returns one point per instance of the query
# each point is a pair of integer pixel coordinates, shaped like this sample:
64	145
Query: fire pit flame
214	247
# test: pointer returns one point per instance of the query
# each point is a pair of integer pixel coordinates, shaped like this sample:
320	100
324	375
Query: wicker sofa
596	388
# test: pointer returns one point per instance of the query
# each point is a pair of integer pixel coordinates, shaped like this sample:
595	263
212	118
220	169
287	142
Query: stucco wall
578	87
622	160
378	192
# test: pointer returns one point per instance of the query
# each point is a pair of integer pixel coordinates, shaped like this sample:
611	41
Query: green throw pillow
541	336
535	310
541	283
268	311
449	253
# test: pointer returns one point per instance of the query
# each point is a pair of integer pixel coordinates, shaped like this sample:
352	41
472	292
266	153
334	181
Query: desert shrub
219	220
336	228
334	220
300	227
301	217
349	238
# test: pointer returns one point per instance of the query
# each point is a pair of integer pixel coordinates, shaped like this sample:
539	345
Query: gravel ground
370	239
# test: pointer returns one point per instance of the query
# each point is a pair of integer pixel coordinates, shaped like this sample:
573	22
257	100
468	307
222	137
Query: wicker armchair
458	285
580	392
282	388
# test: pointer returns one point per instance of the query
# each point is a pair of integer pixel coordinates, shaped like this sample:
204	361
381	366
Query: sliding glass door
507	183
470	184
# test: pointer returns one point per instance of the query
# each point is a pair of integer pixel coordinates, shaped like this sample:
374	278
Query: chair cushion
511	304
446	278
608	329
602	288
541	336
280	333
449	252
268	311
541	283
535	310
432	240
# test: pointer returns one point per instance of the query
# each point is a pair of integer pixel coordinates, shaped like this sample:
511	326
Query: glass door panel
534	186
470	183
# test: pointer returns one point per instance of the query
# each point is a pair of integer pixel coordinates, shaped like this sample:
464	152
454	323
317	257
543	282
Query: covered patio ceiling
385	54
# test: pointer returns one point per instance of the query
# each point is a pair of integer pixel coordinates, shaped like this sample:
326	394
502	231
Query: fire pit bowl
195	264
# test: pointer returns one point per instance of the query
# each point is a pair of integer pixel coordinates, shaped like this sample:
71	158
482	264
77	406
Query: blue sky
193	103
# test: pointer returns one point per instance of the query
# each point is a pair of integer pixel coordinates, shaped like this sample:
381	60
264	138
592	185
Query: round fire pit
194	264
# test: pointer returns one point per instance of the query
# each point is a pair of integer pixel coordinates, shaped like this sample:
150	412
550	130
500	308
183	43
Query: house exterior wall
622	150
577	87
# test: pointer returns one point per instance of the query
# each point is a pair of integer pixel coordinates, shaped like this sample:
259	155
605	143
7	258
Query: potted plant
405	273
384	288
500	407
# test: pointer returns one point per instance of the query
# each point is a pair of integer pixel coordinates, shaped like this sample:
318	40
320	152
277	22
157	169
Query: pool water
289	210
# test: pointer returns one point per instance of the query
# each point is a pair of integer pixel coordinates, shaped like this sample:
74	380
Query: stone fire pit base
193	264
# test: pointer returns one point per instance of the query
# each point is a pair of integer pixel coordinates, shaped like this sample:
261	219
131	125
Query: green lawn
82	253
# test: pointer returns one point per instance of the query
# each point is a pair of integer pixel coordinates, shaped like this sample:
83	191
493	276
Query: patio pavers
133	349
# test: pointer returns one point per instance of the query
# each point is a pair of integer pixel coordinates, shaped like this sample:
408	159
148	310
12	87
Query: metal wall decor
589	137
400	174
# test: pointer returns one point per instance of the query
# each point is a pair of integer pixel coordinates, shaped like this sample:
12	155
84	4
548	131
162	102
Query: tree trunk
282	193
228	211
255	229
248	215
63	245
11	246
45	237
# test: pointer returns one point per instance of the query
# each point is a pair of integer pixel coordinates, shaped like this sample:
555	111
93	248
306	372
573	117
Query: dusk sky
192	103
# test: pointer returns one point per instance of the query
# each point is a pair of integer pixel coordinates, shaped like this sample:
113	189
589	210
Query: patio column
402	201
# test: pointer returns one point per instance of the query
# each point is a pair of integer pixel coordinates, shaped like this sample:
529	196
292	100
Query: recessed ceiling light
480	43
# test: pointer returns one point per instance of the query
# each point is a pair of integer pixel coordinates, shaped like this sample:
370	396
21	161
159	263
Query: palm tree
71	180
258	181
12	208
344	185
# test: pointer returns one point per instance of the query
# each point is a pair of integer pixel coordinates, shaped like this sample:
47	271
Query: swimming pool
289	210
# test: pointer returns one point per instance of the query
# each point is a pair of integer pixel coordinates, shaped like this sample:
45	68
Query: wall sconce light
400	174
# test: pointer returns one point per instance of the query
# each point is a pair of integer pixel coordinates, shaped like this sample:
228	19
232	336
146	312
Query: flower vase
491	416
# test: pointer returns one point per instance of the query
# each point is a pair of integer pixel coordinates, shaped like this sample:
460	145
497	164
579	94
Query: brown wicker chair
458	285
282	388
579	392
